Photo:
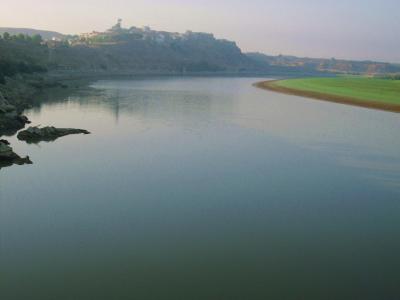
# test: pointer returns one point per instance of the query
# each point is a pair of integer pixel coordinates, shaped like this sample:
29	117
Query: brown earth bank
272	86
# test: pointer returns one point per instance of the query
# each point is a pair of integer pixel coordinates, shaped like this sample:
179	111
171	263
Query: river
203	188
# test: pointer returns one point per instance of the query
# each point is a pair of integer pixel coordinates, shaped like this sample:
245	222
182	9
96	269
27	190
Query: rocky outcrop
11	119
47	134
8	157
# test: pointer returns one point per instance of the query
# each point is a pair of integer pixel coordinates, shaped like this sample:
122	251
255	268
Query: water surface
203	188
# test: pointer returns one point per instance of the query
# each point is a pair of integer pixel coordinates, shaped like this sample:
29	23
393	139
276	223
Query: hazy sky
357	29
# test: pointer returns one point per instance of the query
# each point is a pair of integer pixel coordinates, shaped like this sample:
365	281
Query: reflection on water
202	188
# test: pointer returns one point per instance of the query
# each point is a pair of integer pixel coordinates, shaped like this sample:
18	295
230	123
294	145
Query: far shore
272	86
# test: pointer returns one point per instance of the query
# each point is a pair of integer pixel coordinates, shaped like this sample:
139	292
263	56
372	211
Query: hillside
146	50
22	54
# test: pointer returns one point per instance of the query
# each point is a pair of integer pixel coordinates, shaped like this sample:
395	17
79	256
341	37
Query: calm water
203	188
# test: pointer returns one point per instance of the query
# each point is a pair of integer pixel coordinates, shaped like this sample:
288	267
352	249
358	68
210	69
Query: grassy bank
361	91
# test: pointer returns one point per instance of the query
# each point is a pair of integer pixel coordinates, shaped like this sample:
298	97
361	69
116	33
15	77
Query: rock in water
47	134
8	157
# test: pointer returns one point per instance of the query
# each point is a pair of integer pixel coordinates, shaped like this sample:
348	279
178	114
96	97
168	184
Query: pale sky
353	29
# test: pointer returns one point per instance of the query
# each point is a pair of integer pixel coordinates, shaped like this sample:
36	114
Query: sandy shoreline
271	86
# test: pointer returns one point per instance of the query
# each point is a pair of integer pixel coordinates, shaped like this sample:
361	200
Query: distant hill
46	35
143	50
122	51
325	65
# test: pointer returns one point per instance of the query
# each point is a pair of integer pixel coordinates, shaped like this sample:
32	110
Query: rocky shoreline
18	94
11	120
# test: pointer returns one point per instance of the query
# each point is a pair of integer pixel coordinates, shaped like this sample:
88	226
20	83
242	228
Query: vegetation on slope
154	52
21	54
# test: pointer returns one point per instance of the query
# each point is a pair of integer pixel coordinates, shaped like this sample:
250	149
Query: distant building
90	34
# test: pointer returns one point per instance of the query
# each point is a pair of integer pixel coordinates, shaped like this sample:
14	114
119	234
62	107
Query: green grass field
383	91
